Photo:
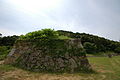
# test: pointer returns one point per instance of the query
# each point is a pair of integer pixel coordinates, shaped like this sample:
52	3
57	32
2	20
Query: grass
109	67
106	68
6	68
64	37
101	53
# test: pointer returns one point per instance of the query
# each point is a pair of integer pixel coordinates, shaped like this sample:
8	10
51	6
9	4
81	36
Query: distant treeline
8	40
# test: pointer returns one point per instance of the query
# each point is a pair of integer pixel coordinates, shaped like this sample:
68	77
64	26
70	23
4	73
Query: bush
90	47
4	50
8	40
44	33
117	50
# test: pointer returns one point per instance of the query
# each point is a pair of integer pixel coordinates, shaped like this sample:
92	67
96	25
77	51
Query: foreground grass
106	69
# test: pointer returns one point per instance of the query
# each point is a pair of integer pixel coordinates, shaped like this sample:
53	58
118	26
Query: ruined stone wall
60	56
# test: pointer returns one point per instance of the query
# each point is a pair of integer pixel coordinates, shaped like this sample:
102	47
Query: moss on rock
53	55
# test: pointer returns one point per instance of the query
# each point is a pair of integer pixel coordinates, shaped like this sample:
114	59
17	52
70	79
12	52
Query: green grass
101	53
64	37
109	67
6	68
106	69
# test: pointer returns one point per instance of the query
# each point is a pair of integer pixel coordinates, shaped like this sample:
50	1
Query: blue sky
98	17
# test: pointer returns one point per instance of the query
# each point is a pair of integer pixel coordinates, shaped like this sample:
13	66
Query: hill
94	44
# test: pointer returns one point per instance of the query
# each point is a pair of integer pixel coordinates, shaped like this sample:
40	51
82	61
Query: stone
62	59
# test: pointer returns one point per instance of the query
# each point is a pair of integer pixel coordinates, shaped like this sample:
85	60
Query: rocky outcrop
60	56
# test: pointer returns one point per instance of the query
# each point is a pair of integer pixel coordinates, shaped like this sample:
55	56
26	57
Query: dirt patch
104	71
58	77
24	75
1	62
14	75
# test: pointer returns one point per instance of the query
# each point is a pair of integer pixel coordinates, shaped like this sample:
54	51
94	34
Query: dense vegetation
6	44
8	40
40	34
4	50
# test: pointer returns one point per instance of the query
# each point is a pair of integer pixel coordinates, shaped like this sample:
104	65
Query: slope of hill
94	44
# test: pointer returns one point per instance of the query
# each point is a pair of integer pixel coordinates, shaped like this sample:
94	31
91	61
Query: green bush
90	47
44	33
4	50
117	50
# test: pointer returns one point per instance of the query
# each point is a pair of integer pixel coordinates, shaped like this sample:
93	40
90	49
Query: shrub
90	47
44	33
4	50
117	50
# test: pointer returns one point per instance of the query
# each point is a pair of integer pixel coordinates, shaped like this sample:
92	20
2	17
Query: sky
97	17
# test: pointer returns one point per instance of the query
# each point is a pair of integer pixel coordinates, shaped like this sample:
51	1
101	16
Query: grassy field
106	69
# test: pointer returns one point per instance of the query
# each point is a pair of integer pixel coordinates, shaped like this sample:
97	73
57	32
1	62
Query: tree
117	50
8	40
90	47
0	34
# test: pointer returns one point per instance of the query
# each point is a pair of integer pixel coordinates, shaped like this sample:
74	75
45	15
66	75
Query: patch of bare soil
1	62
14	75
21	75
24	75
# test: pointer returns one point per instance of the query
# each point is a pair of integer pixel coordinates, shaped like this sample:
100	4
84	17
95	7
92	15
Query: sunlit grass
64	37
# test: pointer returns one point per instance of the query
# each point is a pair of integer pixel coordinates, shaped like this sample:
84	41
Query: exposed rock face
68	57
